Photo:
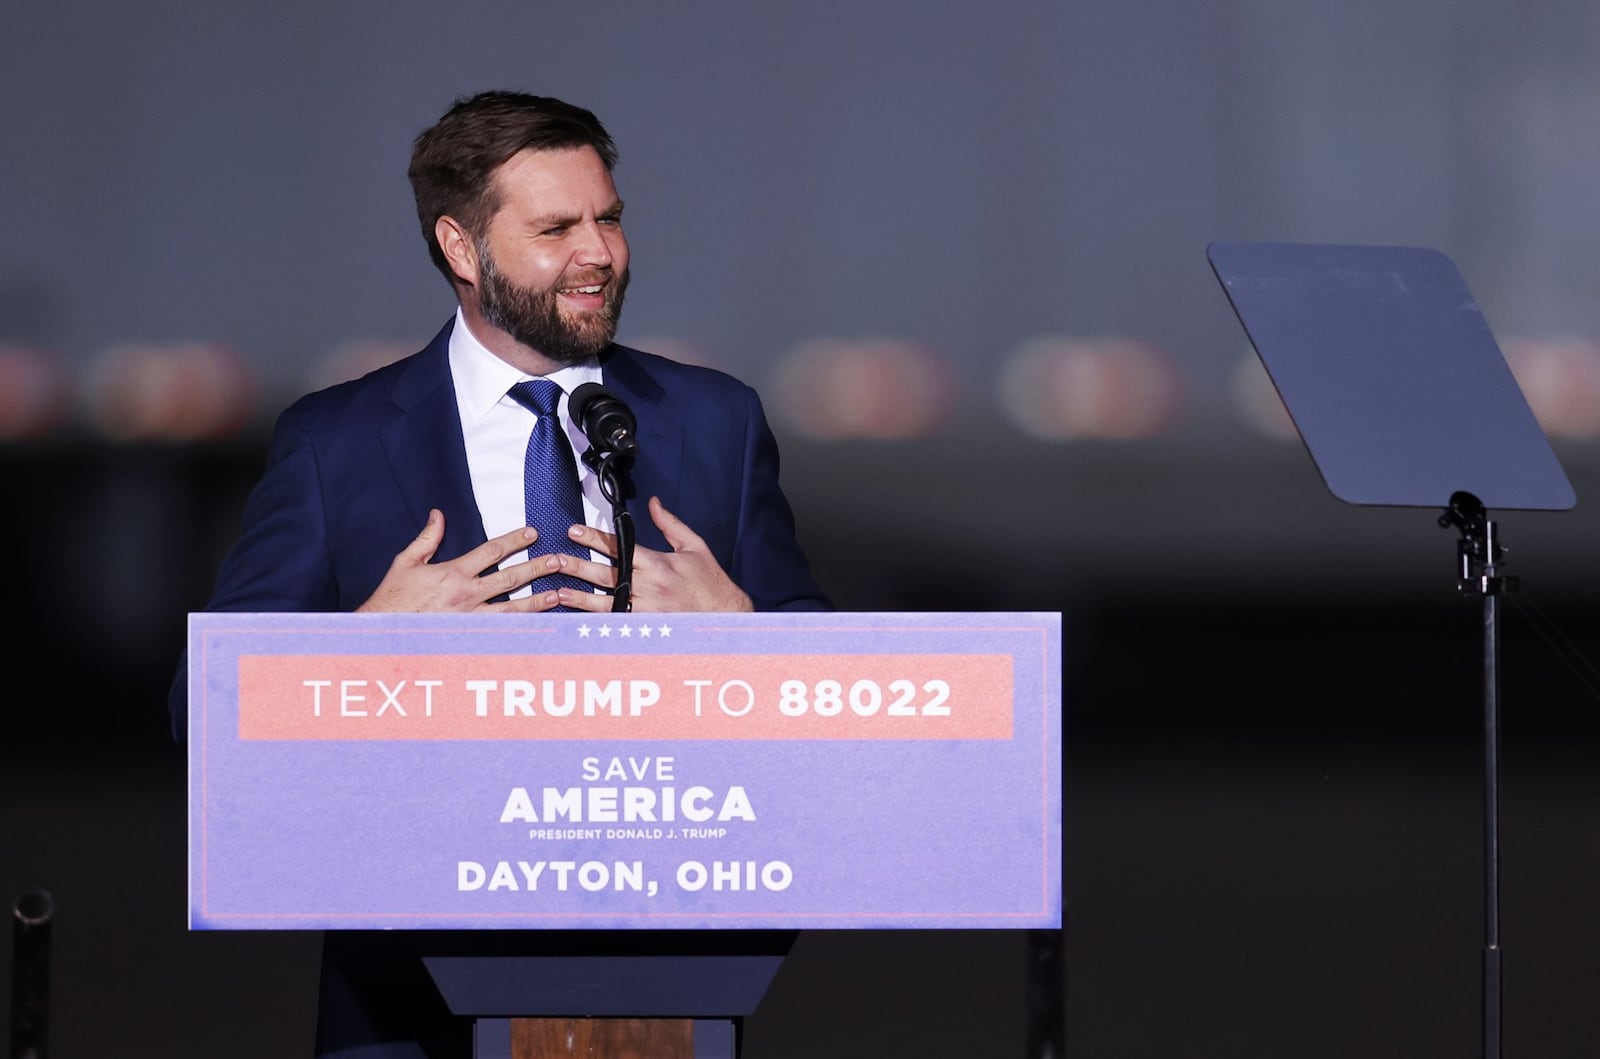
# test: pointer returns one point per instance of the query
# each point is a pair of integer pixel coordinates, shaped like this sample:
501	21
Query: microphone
606	421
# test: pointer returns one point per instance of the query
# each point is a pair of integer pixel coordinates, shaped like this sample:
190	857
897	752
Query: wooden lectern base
638	994
571	1038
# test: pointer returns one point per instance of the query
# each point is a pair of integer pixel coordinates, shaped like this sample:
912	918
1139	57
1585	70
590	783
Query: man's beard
534	317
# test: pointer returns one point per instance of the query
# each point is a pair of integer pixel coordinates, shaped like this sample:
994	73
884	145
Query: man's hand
416	585
688	578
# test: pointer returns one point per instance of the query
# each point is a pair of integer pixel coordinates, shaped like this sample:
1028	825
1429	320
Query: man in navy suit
403	490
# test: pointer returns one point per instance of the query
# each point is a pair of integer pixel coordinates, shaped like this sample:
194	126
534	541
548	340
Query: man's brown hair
453	162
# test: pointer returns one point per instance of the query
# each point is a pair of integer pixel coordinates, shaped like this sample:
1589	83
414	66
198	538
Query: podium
606	830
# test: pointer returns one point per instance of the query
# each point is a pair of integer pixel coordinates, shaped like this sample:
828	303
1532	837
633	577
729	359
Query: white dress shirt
496	428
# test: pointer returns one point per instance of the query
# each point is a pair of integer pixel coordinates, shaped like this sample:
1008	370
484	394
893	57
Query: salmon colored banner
467	697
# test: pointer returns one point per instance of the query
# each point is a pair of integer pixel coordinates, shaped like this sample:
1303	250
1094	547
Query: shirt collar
482	378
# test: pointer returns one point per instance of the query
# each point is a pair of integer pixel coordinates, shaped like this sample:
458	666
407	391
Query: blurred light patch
35	395
182	391
353	359
1059	388
878	389
677	349
1257	400
1560	377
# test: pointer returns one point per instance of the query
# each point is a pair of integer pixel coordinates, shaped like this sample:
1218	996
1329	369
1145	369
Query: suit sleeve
767	561
280	561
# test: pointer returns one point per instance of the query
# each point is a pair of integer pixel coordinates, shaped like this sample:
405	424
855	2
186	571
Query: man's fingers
594	540
673	528
491	551
424	544
585	569
507	579
539	601
593	602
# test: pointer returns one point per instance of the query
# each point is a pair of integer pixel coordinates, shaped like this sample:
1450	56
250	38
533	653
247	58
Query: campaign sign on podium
624	771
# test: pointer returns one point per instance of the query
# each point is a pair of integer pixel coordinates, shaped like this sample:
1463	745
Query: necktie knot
539	396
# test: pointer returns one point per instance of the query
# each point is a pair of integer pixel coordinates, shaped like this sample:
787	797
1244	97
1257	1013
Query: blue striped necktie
550	483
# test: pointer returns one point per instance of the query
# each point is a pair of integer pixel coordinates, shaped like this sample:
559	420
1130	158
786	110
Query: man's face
553	264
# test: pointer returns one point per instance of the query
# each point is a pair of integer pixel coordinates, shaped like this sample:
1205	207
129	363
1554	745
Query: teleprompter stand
1403	399
1479	558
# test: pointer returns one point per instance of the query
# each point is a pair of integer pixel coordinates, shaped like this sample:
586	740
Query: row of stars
626	631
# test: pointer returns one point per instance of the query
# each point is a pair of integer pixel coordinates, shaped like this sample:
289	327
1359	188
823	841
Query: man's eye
557	230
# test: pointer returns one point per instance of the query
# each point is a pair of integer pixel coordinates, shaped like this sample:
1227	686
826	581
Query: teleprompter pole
1479	557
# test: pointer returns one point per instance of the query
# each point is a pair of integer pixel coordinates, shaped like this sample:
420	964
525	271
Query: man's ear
458	249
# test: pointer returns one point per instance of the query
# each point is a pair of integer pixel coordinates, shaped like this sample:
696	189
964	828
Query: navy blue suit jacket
353	470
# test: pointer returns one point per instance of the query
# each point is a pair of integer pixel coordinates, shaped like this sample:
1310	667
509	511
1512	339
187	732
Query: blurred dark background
960	250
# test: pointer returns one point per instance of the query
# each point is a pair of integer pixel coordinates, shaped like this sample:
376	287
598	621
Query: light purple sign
631	771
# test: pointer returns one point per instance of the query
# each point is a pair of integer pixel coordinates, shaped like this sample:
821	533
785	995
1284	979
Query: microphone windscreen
606	420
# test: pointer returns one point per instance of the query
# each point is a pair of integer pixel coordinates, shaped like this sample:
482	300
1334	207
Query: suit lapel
659	466
427	454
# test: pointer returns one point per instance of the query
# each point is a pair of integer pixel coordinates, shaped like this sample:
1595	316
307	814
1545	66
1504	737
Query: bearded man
396	491
407	489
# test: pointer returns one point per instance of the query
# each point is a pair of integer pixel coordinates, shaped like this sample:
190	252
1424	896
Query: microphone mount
609	425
